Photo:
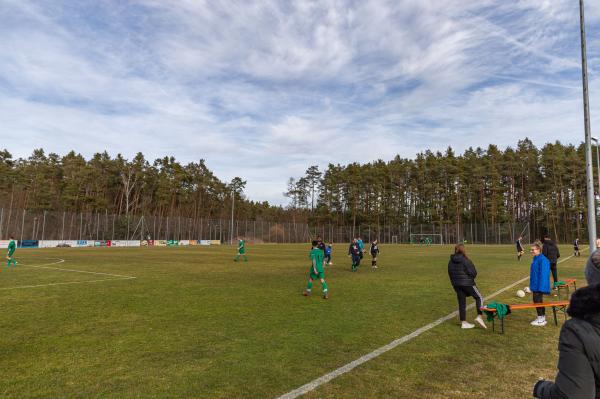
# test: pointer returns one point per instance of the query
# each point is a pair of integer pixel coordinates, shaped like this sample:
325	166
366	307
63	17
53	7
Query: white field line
70	282
47	266
116	277
304	389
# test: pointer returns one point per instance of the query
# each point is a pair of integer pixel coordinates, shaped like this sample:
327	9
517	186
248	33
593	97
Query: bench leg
554	313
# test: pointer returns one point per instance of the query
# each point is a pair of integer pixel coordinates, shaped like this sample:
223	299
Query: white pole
588	141
232	209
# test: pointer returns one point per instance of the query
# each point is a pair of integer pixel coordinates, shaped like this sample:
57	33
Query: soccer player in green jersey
12	247
317	270
241	251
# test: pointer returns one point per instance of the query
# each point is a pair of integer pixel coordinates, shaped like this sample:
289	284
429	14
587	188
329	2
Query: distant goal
426	239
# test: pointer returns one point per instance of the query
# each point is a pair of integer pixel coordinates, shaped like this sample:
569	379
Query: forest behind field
544	187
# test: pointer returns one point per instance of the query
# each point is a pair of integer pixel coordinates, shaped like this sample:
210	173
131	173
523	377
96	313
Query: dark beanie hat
592	268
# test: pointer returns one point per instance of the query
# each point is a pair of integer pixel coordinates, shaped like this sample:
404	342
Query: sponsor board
205	242
147	243
125	243
29	244
4	243
101	243
160	243
194	242
184	243
215	242
57	243
172	243
85	243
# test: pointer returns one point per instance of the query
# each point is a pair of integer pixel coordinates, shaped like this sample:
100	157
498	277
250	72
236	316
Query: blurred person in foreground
579	344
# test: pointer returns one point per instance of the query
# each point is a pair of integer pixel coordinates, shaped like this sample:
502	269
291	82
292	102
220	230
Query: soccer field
190	323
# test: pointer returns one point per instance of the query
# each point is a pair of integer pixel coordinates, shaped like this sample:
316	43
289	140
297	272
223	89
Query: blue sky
264	89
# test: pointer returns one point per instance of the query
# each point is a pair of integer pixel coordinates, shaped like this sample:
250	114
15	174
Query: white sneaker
466	325
539	322
480	321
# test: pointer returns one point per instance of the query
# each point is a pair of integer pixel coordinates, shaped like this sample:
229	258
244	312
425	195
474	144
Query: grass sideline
195	324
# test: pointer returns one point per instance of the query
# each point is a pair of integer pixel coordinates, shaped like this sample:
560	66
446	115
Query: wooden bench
567	283
560	305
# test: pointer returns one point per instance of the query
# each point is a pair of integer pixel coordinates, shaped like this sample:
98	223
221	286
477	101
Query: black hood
457	258
585	304
592	268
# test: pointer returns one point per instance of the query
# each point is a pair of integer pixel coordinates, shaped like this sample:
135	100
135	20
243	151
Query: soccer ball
527	290
521	294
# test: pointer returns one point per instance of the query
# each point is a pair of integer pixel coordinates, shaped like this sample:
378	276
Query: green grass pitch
195	324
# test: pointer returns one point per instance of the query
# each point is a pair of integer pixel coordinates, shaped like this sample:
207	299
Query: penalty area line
66	283
314	384
47	266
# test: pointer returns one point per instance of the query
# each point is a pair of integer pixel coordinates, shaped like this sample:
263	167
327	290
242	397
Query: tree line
545	187
160	188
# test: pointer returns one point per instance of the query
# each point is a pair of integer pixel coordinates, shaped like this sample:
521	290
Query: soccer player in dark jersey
328	261
354	252
321	244
520	250
576	248
374	253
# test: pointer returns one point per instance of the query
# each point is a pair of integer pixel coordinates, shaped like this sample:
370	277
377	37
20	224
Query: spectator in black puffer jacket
462	274
551	252
579	345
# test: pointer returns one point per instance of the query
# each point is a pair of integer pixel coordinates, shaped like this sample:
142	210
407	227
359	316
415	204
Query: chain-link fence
52	225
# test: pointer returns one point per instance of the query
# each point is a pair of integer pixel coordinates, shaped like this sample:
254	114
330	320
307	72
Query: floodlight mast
591	199
595	140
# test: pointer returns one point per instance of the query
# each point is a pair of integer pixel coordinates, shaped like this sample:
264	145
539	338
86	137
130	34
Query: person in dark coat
462	275
579	344
551	252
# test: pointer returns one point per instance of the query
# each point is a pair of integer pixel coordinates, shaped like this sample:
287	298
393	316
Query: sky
264	89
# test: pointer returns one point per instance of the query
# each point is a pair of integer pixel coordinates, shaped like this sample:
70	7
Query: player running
374	249
328	255
317	270
12	247
241	250
576	248
520	250
354	252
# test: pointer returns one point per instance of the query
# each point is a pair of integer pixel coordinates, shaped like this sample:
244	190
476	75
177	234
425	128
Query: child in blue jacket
539	282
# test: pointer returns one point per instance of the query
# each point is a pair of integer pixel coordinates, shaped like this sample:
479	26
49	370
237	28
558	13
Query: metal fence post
22	226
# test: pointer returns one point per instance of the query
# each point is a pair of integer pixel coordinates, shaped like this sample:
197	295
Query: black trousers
464	291
538	297
554	271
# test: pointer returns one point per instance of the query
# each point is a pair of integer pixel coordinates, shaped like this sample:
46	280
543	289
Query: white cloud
263	89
